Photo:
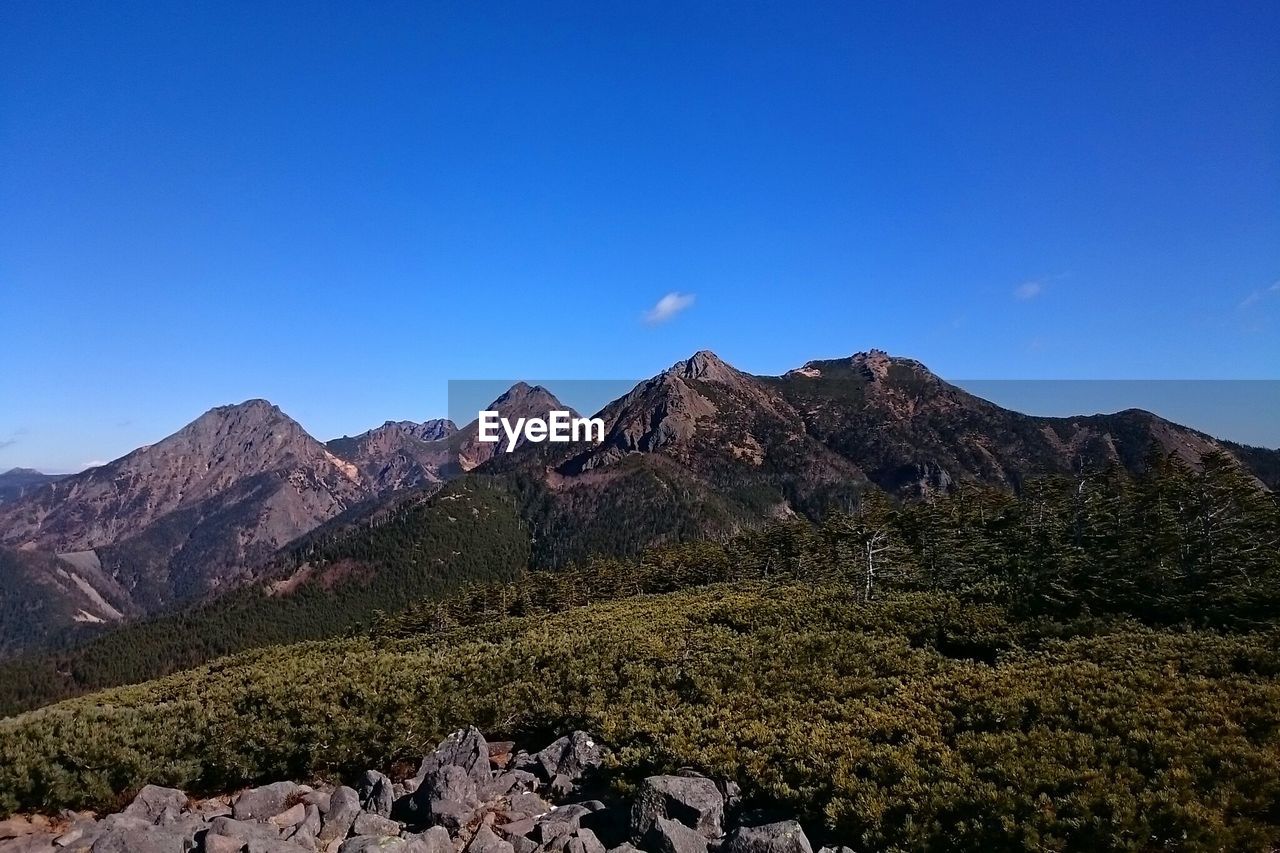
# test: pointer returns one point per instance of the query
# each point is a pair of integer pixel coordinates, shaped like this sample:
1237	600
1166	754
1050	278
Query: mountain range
241	496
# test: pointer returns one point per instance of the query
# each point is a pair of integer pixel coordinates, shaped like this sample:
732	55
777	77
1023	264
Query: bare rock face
176	519
399	454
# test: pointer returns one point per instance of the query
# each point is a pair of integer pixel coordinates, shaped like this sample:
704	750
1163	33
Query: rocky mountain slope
399	454
704	449
209	509
181	517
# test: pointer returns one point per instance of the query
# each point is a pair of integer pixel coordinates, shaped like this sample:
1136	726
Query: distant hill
17	482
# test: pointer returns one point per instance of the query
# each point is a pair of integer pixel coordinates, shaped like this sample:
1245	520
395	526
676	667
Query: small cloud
7	442
1028	290
95	463
668	307
1259	295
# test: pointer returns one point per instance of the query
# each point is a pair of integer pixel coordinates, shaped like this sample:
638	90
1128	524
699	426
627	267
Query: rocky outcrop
468	796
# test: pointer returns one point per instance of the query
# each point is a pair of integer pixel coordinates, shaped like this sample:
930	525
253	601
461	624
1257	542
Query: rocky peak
874	363
706	366
523	399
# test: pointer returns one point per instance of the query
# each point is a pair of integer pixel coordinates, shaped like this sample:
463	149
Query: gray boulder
157	805
447	797
583	841
486	841
372	824
434	840
559	823
264	802
506	783
373	844
466	749
275	845
570	756
221	844
344	807
782	837
243	831
149	839
671	836
377	794
692	800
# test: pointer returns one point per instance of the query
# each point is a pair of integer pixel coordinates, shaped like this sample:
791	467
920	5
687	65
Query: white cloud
1259	295
94	463
668	306
1028	290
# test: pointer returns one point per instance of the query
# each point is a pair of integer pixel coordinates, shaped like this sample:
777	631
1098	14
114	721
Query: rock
290	817
344	807
505	783
434	840
485	841
466	749
372	824
264	802
277	845
625	847
376	793
692	800
528	804
672	836
570	756
157	805
447	797
373	844
500	753
148	839
559	822
221	844
836	850
560	786
209	809
781	837
451	815
319	799
521	844
731	792
242	830
584	841
521	826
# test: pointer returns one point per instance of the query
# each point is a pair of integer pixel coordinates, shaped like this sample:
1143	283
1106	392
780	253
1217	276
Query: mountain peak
705	365
526	396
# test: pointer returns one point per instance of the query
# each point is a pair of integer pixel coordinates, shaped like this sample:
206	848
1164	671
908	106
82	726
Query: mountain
17	482
521	400
703	450
184	516
399	454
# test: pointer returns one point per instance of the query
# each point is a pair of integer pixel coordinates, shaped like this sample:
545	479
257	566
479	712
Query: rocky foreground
468	796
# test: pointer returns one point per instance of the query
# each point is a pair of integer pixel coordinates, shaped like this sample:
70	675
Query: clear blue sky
341	206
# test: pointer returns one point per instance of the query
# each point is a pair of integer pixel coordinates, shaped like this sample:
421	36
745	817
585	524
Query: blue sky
339	207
